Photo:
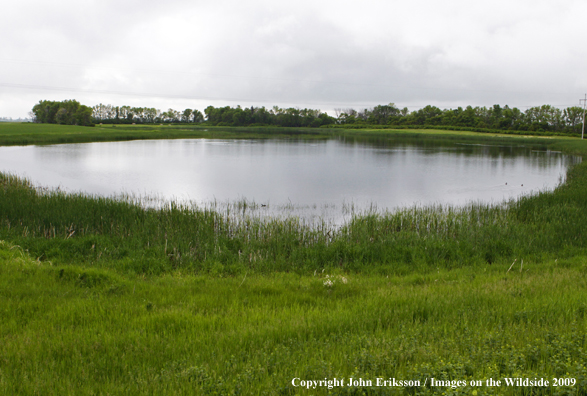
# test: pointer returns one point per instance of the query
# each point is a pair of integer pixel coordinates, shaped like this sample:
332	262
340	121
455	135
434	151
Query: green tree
197	116
429	115
573	119
382	114
67	112
186	115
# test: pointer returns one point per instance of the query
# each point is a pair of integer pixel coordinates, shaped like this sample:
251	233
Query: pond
319	178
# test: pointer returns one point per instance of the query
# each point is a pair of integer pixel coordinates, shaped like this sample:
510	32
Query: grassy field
12	134
79	330
29	133
104	297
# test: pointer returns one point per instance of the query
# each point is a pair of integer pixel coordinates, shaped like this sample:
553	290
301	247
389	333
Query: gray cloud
320	54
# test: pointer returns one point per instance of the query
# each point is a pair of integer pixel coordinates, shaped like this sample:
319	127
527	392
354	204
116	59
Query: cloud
320	54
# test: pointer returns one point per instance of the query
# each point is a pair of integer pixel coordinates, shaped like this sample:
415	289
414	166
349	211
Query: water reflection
318	178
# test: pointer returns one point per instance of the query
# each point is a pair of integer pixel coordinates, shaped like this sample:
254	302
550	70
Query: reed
121	233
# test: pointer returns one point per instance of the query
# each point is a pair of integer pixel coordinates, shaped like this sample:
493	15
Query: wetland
109	296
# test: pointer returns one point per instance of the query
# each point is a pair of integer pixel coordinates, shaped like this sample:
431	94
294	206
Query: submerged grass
105	296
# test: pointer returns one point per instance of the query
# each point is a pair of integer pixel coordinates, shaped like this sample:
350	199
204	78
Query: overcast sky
318	54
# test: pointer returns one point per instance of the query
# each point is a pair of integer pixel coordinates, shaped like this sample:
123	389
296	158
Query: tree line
539	118
217	116
108	114
291	117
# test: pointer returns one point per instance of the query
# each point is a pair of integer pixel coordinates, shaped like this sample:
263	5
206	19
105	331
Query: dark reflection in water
315	175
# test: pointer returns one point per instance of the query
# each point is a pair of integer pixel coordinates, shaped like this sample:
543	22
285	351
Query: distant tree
45	111
346	116
545	117
84	116
197	116
151	114
171	116
495	116
124	113
429	115
382	114
363	115
186	115
573	118
511	118
67	112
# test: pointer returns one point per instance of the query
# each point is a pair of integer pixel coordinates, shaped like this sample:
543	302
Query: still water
313	176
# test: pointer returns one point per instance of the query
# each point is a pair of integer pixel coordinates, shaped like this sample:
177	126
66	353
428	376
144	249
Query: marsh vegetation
106	296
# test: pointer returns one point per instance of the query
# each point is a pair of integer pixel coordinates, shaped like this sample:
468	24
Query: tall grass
106	232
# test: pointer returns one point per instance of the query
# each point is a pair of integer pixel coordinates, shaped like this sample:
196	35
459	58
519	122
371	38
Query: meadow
103	296
12	134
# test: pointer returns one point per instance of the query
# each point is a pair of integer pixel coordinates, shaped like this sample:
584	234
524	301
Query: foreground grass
78	330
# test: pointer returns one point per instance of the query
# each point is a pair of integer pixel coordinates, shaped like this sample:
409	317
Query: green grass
79	330
99	296
28	133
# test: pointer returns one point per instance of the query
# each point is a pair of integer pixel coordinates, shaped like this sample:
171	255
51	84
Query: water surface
312	176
